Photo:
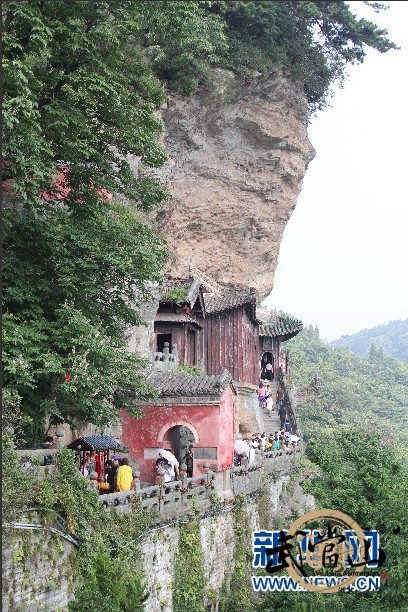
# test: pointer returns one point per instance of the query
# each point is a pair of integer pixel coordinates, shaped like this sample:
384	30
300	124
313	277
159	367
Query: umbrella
294	438
241	446
167	455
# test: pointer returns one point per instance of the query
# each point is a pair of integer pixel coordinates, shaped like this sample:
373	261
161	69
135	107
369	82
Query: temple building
210	346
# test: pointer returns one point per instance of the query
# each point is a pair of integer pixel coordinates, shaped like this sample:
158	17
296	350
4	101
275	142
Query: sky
344	255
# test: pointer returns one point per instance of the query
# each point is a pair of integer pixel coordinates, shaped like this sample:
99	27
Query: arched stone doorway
267	372
177	438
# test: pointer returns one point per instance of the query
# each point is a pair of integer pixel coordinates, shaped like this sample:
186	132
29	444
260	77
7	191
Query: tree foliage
315	40
78	99
71	283
370	394
355	428
78	92
182	40
362	476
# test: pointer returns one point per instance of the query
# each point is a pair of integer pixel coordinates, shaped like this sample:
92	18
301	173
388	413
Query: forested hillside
390	339
354	420
369	393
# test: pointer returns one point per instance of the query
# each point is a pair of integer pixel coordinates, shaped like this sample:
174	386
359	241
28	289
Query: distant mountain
391	340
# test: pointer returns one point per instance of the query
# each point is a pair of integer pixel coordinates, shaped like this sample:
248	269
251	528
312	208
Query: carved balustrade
166	359
167	500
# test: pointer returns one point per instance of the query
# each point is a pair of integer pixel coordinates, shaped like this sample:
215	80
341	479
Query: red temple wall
212	426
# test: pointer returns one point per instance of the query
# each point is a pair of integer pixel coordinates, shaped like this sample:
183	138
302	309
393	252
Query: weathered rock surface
238	155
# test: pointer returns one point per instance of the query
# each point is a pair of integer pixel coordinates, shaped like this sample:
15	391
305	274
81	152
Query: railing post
166	353
175	356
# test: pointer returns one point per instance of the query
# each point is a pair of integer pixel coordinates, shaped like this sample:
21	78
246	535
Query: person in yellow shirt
124	476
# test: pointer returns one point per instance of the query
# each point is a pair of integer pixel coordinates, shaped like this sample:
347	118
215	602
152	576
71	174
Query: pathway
271	423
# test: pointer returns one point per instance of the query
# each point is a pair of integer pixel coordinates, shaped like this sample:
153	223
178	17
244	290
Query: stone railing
41	461
166	360
247	478
167	500
182	497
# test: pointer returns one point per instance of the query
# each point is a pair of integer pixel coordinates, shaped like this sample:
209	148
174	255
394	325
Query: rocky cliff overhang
238	153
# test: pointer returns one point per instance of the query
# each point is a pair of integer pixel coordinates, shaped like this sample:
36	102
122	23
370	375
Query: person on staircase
262	395
269	399
269	371
282	414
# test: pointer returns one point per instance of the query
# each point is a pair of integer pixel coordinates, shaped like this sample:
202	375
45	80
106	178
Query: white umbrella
294	438
168	455
241	446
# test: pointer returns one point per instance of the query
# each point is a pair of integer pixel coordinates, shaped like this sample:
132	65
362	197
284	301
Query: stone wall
38	569
217	541
139	339
248	416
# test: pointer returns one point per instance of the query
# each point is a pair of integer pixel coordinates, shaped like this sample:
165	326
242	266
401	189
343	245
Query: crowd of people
117	475
283	439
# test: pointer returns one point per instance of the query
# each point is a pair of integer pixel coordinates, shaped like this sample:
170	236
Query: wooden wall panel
231	341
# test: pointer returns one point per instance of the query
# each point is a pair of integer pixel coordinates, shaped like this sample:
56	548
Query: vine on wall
108	556
264	502
189	580
237	595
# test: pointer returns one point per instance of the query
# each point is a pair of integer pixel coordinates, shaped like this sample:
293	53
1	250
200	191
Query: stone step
270	423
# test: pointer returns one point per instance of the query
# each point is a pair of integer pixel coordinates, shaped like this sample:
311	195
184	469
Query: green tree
372	355
182	40
78	99
77	92
315	40
71	285
354	390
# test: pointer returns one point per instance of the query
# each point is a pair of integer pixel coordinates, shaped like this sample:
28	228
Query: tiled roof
230	299
95	443
286	327
170	384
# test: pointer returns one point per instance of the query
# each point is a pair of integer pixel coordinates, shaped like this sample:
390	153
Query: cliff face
238	155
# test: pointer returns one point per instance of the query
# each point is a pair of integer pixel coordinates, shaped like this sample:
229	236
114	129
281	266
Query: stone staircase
271	423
